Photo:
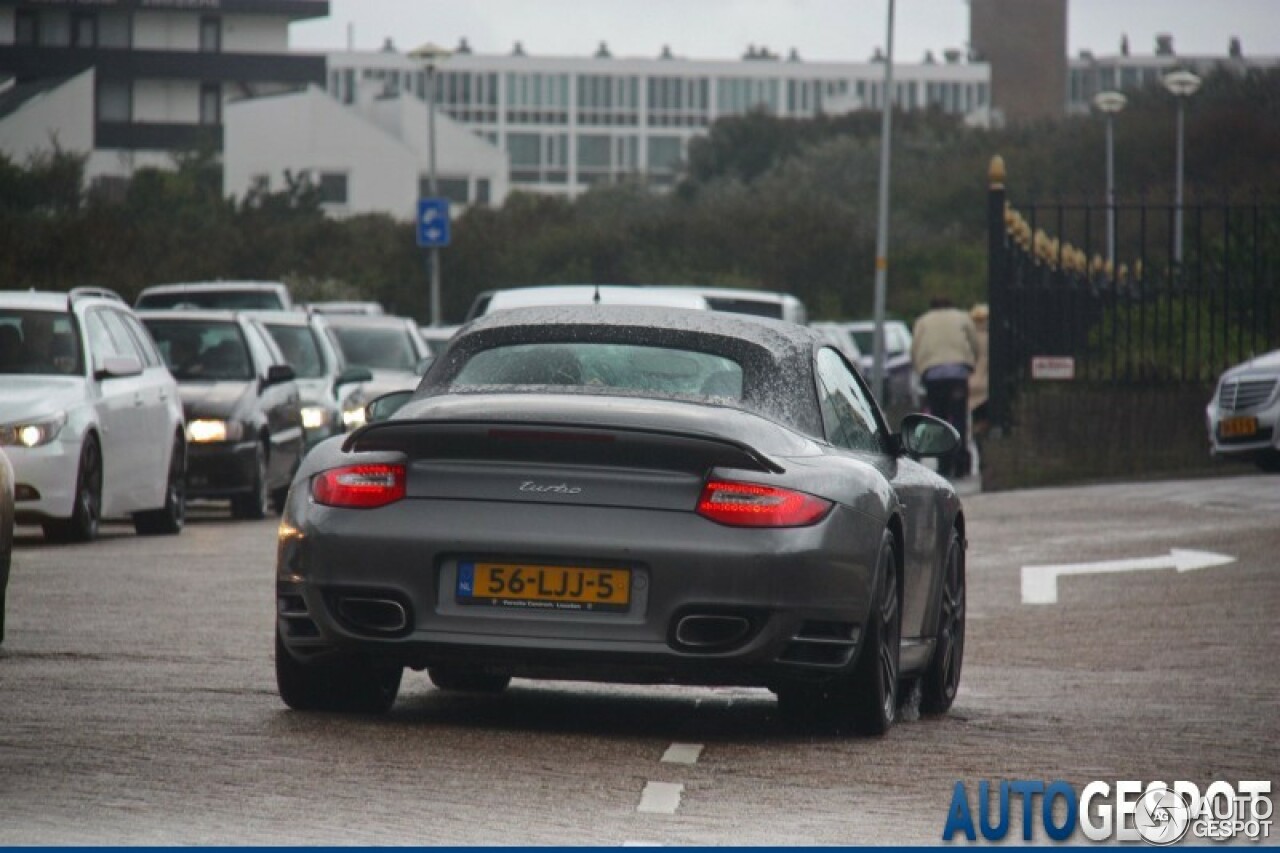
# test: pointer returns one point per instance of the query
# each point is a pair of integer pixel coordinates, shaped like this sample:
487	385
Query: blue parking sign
433	222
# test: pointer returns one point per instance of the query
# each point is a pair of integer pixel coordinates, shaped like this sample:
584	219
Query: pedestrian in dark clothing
944	350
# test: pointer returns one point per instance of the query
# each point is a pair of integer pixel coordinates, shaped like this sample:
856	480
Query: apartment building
129	82
566	123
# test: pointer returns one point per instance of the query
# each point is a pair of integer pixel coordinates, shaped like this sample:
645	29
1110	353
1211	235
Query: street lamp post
882	226
1182	84
430	55
1110	103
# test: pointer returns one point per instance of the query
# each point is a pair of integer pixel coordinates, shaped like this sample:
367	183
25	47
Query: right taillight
751	505
359	486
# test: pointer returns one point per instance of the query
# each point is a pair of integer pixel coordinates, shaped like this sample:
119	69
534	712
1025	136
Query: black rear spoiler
560	443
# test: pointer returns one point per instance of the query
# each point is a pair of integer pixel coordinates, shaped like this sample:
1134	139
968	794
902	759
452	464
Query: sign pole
882	225
434	267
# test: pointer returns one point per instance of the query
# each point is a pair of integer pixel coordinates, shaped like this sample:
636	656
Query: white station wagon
90	416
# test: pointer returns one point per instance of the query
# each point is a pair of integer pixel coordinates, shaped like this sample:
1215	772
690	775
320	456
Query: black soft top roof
776	356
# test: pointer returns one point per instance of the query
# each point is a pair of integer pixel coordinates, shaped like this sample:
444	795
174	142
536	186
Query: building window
84	29
210	35
332	187
26	27
115	100
210	103
115	29
664	153
482	191
524	149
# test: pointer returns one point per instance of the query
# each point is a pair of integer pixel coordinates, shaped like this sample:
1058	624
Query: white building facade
1089	74
568	123
368	156
159	73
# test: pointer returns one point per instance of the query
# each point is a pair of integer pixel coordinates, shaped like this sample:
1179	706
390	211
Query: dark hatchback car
635	495
244	422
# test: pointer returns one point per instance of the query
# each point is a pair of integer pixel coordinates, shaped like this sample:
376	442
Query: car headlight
33	433
314	417
353	418
209	430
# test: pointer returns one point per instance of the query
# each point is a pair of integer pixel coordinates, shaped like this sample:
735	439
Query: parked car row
231	383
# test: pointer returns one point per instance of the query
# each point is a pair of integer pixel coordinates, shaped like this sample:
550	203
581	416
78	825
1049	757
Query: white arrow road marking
660	797
682	753
1040	583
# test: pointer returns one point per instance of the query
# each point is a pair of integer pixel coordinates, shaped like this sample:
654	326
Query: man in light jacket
944	351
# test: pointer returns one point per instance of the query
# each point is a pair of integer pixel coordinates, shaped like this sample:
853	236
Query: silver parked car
1244	415
389	347
323	377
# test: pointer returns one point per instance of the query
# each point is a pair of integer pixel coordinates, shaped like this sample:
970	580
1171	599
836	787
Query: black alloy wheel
865	699
170	518
350	685
82	526
875	678
942	680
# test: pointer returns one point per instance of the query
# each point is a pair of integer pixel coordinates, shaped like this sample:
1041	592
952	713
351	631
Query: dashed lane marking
660	798
682	753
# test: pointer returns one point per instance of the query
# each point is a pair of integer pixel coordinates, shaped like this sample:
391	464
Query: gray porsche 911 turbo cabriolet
633	495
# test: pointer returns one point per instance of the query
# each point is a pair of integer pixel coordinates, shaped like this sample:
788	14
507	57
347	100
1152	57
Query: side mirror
278	373
352	375
925	435
382	408
118	367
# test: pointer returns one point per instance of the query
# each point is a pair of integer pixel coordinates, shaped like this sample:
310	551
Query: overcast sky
843	30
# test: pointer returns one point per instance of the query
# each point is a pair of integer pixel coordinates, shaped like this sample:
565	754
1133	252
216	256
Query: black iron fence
1108	295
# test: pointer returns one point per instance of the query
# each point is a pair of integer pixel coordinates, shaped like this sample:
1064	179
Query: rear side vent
821	643
295	620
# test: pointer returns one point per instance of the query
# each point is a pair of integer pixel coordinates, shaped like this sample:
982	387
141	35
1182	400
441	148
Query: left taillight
750	505
359	486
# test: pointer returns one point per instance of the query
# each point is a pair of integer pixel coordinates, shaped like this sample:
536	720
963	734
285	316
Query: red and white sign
1055	367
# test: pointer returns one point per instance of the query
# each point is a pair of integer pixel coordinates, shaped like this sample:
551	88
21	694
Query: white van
759	303
584	294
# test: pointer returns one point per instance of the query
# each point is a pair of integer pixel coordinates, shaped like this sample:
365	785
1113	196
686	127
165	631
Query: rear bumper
803	592
221	470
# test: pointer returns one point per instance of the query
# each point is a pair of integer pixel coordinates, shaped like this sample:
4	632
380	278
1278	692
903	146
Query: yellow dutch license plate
536	587
1238	427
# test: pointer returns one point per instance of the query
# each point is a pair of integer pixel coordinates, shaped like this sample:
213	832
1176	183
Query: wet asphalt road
138	704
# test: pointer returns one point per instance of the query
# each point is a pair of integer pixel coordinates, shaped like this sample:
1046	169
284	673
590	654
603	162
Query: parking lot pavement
137	700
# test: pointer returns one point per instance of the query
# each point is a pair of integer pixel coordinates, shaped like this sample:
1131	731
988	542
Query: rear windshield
202	350
599	366
229	299
377	348
300	348
39	342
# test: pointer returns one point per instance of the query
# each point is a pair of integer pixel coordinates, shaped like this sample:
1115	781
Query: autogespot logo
1157	813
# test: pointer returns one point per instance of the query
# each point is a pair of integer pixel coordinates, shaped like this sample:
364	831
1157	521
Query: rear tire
865	699
169	519
82	526
941	681
253	506
350	686
468	680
